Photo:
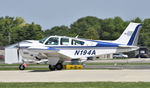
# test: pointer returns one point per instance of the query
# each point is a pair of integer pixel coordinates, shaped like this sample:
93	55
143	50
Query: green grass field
28	68
85	63
19	64
77	85
16	66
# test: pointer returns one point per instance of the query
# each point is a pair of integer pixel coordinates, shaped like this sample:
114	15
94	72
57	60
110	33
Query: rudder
130	34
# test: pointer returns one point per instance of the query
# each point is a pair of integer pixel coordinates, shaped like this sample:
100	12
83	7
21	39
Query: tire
21	67
52	67
59	66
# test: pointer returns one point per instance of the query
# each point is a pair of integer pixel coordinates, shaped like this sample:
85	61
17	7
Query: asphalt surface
76	76
120	73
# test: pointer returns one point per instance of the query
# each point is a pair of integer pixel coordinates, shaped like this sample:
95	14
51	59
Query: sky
50	13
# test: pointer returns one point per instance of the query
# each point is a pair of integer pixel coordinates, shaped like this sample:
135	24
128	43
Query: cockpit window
64	41
52	41
42	40
77	42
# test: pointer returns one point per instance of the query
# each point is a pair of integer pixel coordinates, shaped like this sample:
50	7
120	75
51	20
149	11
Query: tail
130	35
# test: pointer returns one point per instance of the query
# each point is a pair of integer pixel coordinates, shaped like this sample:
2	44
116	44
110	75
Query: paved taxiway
75	76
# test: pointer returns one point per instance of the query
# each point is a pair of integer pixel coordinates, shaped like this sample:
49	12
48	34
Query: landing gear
21	67
52	67
58	66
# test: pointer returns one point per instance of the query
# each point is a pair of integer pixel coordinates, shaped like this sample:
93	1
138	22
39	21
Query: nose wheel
22	66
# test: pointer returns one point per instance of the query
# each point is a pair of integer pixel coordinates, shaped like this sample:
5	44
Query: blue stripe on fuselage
24	47
99	44
106	44
52	48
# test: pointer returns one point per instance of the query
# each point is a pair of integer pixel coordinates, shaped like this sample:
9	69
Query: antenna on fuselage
77	36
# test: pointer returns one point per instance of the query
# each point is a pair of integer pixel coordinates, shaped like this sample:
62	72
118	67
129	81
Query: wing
42	53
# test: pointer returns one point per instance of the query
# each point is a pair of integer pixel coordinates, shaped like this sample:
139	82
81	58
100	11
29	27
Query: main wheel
21	67
51	67
59	66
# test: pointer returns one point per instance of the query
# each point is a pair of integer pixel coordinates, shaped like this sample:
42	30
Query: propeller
18	51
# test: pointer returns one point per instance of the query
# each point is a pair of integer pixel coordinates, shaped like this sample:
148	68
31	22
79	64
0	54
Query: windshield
42	40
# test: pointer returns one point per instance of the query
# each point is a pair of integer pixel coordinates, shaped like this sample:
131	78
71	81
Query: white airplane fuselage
59	48
89	49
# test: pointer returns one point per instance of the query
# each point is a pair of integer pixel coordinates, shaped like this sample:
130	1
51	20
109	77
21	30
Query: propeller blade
18	53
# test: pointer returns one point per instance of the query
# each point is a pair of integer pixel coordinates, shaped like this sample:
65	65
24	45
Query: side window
77	42
52	41
64	41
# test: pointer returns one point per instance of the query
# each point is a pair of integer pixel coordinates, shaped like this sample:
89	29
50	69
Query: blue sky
49	13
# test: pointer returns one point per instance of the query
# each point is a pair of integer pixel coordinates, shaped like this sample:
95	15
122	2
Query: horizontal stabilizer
126	46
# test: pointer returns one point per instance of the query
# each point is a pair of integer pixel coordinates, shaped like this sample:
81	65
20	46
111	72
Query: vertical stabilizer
130	34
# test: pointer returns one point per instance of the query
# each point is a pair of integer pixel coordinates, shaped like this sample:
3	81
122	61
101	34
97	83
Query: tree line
15	29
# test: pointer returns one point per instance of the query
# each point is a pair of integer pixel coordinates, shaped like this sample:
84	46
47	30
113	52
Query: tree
120	26
6	27
91	33
137	20
57	30
13	29
107	29
27	32
83	24
145	33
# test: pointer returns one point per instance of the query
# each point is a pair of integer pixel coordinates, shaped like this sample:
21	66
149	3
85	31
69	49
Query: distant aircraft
59	48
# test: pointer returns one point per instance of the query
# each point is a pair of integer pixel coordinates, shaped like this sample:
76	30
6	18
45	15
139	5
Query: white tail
130	34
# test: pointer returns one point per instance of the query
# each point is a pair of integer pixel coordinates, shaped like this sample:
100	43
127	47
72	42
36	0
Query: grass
25	68
76	85
86	64
16	66
19	64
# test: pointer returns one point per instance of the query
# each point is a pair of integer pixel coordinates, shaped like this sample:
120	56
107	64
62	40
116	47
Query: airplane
56	49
